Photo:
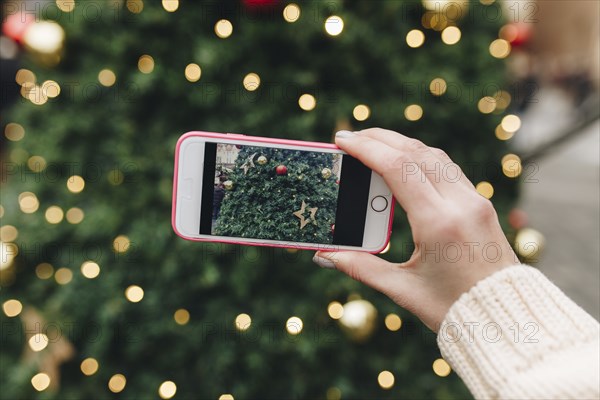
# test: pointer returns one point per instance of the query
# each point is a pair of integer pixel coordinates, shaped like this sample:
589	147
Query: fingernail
323	262
345	134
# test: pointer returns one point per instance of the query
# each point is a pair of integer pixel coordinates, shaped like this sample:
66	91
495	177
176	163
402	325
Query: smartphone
234	188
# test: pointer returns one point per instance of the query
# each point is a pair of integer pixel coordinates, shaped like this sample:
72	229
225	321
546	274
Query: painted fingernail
345	134
323	262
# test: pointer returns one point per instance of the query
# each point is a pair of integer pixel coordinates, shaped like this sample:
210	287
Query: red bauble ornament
337	182
258	4
281	170
15	25
332	228
516	33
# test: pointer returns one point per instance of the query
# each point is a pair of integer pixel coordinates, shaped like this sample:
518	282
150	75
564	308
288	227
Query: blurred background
100	299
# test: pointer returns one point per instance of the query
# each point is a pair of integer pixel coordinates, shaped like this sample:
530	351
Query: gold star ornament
300	215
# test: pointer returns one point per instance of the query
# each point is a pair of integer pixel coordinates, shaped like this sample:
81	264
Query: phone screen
284	195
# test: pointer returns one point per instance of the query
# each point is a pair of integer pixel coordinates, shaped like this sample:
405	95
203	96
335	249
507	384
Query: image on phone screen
283	194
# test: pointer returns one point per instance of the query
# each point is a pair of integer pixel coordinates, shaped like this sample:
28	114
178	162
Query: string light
38	342
24	76
307	102
37	96
54	214
8	233
50	89
511	123
28	202
291	13
117	383
502	134
134	293
12	308
451	35
75	184
75	215
415	38
413	112
107	78
146	64
441	367
294	325
438	87
170	5
226	396
167	389
486	105
90	269
14	132
181	316
44	271
438	21
511	165
500	48
193	72
243	322
135	6
251	82
36	163
334	25
386	379
121	244
89	366
223	28
485	189
335	310
63	276
503	99
361	112
393	322
65	5
40	382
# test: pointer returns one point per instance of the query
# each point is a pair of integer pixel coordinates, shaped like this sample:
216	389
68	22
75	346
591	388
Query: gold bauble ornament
358	320
228	185
529	244
262	160
326	173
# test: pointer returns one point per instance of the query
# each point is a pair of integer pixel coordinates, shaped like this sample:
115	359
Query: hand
458	240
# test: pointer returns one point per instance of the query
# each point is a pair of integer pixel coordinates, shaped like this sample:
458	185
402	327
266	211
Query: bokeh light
75	215
307	102
117	383
511	123
251	82
485	189
393	322
89	366
36	163
386	379
90	269
243	322
107	78
63	276
75	184
223	28
167	389
511	165
334	25
193	72
38	342
54	214
335	310
181	316
486	105
441	367
413	112
12	308
170	5
415	38
146	64
294	325
44	271
134	293
121	244
438	87
40	382
361	112
291	12
500	48
65	5
451	35
14	132
135	6
8	233
28	202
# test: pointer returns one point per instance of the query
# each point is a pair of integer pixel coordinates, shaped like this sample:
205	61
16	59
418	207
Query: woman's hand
458	240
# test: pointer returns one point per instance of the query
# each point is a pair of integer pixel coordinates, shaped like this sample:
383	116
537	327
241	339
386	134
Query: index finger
402	174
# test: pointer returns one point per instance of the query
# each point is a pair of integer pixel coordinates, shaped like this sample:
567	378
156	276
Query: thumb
388	278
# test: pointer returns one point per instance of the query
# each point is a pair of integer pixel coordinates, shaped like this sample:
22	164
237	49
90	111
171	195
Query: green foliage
261	203
121	139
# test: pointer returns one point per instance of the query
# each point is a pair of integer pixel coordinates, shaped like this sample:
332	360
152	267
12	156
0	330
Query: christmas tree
278	194
101	297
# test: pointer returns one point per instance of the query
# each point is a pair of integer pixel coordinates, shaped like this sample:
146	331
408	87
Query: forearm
516	335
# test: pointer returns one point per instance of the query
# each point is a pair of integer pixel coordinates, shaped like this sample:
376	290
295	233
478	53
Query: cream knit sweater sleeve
515	335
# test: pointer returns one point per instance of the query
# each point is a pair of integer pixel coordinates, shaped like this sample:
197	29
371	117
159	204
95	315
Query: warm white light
243	322
223	28
451	35
294	325
38	342
291	13
415	38
334	25
134	293
307	102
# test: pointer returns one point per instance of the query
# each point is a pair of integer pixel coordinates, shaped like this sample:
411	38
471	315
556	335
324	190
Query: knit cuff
513	330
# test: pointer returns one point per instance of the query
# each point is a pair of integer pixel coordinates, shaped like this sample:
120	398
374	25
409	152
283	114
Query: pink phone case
258	139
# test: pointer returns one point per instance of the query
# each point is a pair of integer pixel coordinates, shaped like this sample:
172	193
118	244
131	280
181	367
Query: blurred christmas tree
255	207
103	298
